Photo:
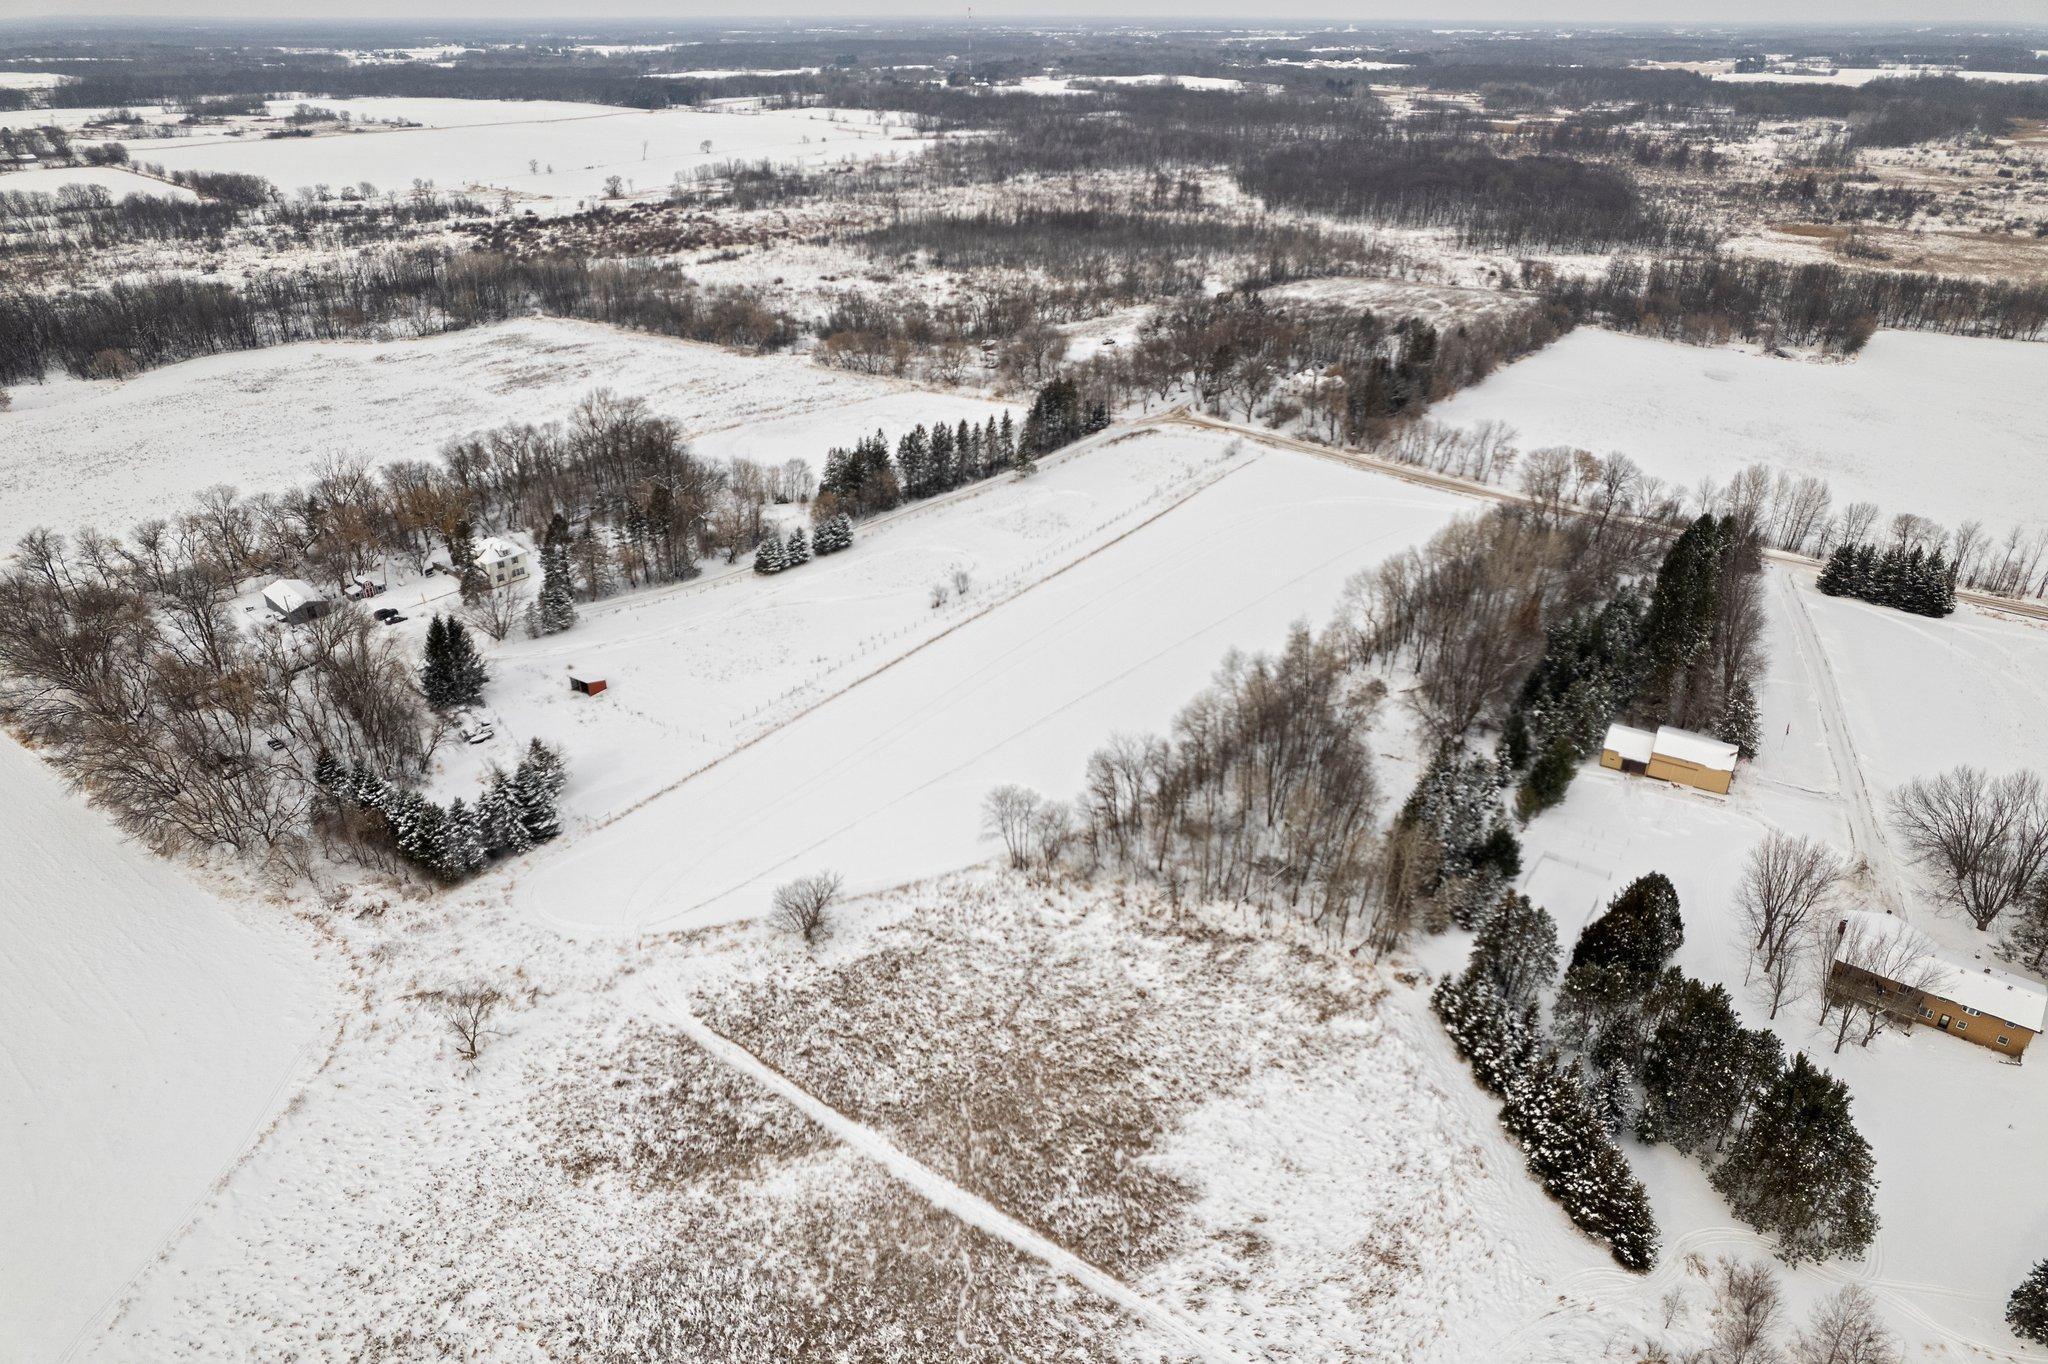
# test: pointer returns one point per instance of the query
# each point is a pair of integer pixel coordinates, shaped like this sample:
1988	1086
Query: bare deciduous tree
1783	887
1984	838
1845	1329
1008	813
800	905
468	1011
1747	1311
1875	975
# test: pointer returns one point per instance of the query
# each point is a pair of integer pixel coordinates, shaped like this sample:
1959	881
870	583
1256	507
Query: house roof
496	549
1989	990
1698	749
289	594
1631	743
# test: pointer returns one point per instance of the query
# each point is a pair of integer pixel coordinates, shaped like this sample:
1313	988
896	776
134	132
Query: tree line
160	319
1904	579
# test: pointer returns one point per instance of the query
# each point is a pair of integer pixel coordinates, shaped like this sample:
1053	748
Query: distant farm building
1671	754
588	686
1882	957
501	560
295	601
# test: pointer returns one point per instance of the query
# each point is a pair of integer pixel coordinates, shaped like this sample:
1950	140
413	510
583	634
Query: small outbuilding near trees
295	601
1671	754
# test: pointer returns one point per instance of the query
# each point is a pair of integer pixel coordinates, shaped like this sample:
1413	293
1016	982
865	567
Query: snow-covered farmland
547	154
110	454
1943	426
30	80
1863	75
883	781
150	1032
115	181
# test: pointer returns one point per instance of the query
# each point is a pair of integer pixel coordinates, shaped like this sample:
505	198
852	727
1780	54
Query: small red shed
589	686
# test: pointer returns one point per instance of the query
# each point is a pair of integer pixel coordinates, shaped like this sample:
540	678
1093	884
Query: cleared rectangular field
115	181
884	782
111	454
1942	426
547	155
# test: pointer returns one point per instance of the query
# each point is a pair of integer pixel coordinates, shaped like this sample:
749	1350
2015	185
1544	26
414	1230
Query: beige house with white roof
1671	754
1883	955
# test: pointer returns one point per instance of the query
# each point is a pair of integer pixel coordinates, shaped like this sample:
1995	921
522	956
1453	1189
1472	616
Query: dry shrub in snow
468	1011
852	1269
658	1111
1034	1053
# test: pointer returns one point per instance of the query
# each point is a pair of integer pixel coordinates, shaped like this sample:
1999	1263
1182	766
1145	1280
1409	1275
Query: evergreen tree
2026	1311
1696	1068
945	471
798	549
768	555
1680	619
453	673
1740	722
533	790
330	776
1800	1171
1006	442
1549	778
1515	950
462	845
967	450
1616	962
434	665
554	610
544	766
498	819
1836	577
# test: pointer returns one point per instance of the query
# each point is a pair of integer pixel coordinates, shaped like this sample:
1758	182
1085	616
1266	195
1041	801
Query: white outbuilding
295	600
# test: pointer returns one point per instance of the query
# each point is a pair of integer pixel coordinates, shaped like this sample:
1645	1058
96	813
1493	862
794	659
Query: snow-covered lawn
884	780
493	145
149	1032
1942	426
110	454
1959	1229
115	181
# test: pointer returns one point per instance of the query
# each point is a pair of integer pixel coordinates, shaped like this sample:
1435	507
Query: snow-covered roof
496	549
289	594
1697	749
1990	991
1631	743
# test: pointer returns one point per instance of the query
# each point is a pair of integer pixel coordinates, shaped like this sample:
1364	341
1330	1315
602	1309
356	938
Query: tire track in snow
943	1193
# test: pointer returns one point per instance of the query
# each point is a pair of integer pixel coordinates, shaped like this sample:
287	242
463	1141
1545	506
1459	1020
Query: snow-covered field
1942	426
884	781
1956	1233
543	154
150	1032
1863	75
111	454
115	181
30	80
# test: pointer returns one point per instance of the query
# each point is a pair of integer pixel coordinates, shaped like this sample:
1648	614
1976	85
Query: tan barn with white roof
1997	1009
1671	754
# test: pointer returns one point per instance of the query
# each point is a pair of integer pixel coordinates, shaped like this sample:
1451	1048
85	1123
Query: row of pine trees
777	552
1904	579
516	811
1639	1046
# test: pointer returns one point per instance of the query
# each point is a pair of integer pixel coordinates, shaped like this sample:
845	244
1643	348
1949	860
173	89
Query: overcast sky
1364	11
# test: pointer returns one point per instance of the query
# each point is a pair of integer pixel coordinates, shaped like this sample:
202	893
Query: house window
2003	1040
1962	1025
1926	1012
1970	1011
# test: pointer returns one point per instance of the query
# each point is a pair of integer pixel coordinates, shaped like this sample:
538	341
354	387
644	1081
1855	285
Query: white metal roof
495	549
1697	749
1631	743
1992	992
289	594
